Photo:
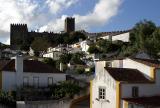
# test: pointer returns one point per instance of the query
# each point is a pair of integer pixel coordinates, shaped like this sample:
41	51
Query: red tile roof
3	63
127	75
31	66
148	62
151	101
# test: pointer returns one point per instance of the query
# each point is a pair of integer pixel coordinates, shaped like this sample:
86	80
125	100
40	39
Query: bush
64	89
80	70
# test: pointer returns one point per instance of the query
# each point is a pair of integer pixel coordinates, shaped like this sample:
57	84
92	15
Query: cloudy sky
91	15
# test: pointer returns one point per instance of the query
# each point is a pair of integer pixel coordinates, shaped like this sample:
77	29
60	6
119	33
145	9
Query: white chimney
61	66
19	70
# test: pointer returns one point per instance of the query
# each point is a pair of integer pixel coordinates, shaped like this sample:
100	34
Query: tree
142	31
93	49
76	58
65	58
49	61
40	44
145	36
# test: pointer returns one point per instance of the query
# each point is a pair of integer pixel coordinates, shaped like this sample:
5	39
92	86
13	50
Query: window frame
35	85
48	81
102	93
135	91
25	83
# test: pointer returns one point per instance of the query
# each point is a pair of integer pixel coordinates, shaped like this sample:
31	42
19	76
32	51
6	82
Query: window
35	81
25	81
50	81
135	91
102	92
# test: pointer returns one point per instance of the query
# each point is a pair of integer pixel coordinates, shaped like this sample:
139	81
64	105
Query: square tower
69	24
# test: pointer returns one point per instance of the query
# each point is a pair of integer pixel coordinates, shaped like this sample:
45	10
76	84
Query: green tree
142	31
49	61
65	58
93	49
40	44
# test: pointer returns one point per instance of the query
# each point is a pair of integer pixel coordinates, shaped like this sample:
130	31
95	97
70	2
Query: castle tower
18	35
69	24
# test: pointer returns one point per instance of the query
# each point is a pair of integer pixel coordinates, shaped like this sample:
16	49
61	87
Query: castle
19	34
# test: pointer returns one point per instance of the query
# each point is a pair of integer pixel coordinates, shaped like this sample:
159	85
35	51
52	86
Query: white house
55	55
82	46
114	36
127	83
17	73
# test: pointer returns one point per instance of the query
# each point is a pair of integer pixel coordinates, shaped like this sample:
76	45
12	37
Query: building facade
126	83
18	73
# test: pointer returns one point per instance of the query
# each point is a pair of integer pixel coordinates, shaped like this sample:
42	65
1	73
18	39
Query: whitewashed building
55	55
122	36
126	83
17	73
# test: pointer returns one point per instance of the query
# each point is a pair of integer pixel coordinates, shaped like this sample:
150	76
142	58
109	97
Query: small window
36	81
102	92
135	91
25	81
50	81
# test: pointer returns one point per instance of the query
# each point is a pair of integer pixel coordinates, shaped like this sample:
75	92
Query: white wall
146	70
145	90
8	80
117	63
43	78
103	79
123	37
54	55
84	46
106	37
110	85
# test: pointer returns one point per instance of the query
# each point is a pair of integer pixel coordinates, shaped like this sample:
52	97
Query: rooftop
151	101
148	62
127	75
31	66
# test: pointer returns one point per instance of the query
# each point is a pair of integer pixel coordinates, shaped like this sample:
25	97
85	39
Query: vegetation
72	58
64	89
7	98
65	58
145	36
49	61
40	44
80	70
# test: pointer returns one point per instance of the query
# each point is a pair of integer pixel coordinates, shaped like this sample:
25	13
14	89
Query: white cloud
103	11
44	15
16	11
56	6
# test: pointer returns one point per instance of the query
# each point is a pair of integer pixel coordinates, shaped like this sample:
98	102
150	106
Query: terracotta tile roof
32	66
148	62
151	101
127	75
3	63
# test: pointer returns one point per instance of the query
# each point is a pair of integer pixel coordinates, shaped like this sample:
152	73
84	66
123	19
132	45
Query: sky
90	15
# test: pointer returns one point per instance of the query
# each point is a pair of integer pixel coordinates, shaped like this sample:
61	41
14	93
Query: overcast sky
91	15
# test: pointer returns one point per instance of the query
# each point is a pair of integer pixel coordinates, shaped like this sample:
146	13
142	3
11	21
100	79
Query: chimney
19	70
61	67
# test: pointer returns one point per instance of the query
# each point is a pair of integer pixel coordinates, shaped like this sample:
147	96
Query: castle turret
69	24
18	35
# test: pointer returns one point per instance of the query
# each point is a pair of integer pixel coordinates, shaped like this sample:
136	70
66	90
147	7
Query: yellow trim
125	104
91	83
152	73
118	94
